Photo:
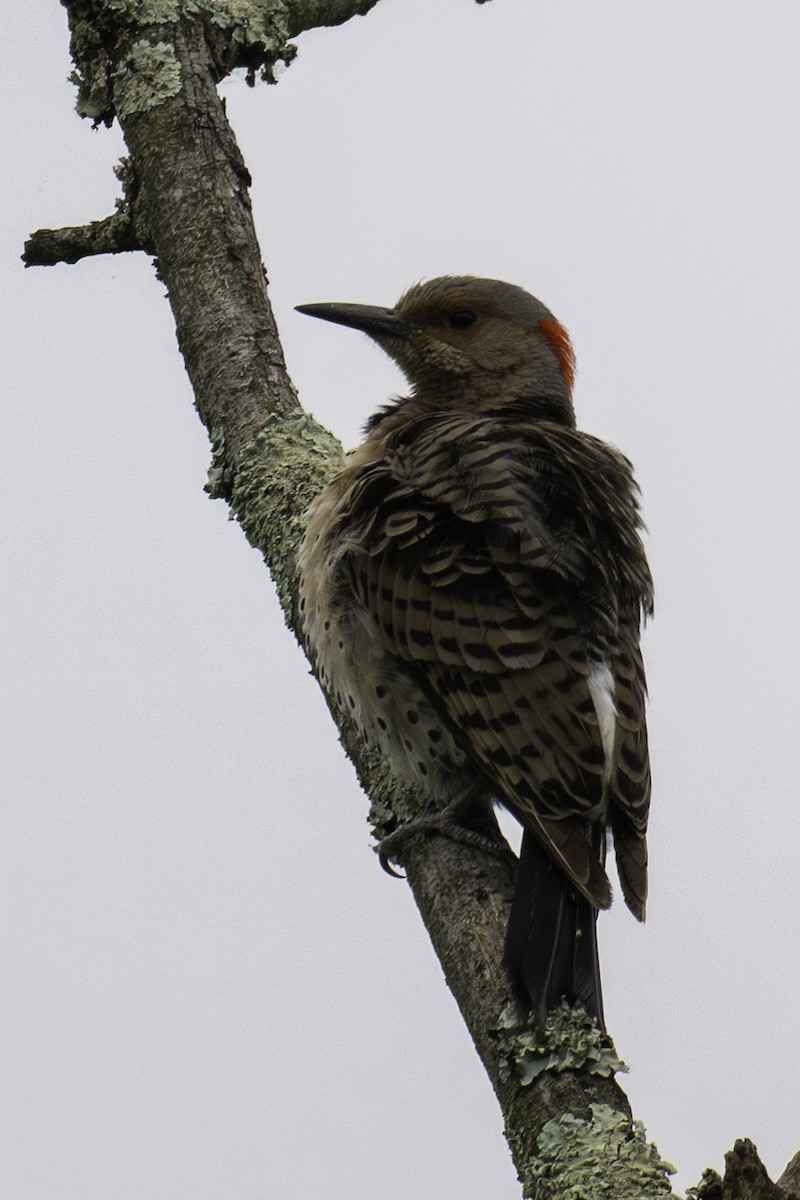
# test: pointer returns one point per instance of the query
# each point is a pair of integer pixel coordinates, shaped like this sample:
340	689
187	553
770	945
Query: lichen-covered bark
155	63
270	459
464	898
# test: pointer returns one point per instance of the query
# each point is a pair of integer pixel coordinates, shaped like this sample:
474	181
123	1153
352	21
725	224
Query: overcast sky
210	988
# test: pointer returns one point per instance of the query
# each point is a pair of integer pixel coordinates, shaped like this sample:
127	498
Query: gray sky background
210	988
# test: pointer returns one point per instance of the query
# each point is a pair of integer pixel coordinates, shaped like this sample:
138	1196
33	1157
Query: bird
472	587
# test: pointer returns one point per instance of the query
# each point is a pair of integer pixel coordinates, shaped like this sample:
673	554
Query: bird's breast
374	686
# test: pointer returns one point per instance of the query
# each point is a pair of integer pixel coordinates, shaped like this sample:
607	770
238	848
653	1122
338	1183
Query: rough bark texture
570	1129
790	1179
746	1178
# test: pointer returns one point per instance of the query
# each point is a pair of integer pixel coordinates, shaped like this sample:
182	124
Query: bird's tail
551	944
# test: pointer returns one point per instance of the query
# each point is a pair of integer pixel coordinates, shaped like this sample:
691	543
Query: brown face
464	330
479	326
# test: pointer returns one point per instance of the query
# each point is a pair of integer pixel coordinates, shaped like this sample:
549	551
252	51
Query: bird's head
462	340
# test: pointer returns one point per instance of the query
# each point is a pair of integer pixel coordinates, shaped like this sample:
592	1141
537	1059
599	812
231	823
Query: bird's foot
445	824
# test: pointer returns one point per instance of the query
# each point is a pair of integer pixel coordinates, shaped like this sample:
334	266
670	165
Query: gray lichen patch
392	801
570	1041
251	34
145	12
381	817
149	75
250	21
272	483
710	1187
607	1158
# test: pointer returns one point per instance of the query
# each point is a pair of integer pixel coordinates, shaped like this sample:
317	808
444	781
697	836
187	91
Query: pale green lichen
392	802
145	12
251	34
154	12
249	21
381	817
255	32
149	75
570	1041
607	1158
709	1188
217	483
271	485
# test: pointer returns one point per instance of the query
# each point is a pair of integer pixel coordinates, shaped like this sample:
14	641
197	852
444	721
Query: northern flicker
472	587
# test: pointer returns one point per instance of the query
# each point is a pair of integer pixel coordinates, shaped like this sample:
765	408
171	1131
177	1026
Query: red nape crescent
558	338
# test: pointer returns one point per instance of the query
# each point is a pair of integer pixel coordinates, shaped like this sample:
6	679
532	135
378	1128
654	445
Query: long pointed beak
379	322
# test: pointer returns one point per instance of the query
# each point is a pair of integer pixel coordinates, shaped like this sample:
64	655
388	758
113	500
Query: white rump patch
601	687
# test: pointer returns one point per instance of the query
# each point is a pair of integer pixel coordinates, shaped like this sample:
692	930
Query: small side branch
310	14
112	235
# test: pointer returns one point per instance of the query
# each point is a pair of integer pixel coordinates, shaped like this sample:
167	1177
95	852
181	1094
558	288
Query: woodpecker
472	586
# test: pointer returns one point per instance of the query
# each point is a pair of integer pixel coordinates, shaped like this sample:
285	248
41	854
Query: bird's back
488	571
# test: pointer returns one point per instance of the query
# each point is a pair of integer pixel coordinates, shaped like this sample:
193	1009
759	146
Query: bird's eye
462	318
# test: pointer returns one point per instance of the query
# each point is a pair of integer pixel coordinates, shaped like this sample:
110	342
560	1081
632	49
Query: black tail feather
551	944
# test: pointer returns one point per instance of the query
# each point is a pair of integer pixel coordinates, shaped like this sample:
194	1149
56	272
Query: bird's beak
378	322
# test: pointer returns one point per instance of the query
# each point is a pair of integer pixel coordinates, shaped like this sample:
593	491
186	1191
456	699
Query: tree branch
310	14
121	231
112	235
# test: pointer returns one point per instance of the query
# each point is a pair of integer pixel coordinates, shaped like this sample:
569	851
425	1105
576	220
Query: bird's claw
383	859
445	826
